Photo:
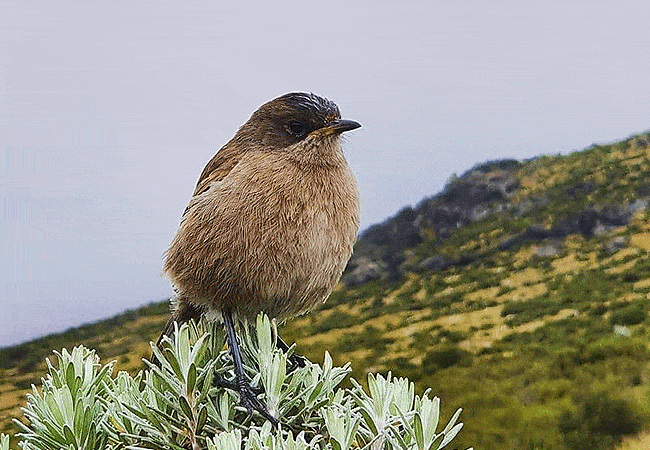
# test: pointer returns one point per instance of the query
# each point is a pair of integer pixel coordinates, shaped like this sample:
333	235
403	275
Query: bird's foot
248	399
297	361
220	381
247	396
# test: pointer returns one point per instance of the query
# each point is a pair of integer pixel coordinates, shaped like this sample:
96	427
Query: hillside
519	293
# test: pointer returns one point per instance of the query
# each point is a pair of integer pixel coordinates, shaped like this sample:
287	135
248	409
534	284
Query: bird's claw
220	381
297	361
249	400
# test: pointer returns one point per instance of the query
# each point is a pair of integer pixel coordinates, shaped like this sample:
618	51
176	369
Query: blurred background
109	111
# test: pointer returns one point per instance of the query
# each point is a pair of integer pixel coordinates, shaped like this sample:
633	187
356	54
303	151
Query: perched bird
271	224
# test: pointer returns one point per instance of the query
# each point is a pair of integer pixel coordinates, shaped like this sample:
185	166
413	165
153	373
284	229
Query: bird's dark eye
296	128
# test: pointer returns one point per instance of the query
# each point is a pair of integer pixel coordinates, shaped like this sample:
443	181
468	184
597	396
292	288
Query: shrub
452	335
176	405
629	315
444	357
529	310
369	338
336	319
598	310
613	347
599	422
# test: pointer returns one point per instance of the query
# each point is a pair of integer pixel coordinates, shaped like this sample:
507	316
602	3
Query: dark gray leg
246	395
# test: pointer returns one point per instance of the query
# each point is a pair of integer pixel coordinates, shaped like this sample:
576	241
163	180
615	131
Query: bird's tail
183	312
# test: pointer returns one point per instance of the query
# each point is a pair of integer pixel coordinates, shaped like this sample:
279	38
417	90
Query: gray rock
436	263
548	250
615	244
364	270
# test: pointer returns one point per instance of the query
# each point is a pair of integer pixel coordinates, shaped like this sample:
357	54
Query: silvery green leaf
452	421
172	358
206	383
185	406
231	440
70	376
182	344
199	349
404	394
157	352
202	418
165	376
264	338
315	392
418	432
342	425
223	410
397	439
436	443
451	434
80	414
191	378
82	399
69	436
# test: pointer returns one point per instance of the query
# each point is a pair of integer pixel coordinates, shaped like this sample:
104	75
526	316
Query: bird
270	225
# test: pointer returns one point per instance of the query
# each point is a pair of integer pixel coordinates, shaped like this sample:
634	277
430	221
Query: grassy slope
124	338
519	341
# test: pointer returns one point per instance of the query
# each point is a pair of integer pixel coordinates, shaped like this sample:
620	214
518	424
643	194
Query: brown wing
217	168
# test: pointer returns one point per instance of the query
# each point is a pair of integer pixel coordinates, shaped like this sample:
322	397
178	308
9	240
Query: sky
109	111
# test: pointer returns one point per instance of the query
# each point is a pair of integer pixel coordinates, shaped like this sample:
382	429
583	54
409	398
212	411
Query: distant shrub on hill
629	315
444	357
598	423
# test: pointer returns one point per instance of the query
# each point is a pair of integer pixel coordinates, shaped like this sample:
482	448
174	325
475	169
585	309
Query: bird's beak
341	125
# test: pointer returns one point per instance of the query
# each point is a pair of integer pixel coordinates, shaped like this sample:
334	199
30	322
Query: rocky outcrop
362	269
477	194
587	223
388	249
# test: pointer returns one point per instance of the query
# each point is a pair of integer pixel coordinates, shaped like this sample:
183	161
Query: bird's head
298	123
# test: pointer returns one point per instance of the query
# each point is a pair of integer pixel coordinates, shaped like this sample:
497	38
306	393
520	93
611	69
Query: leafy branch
181	402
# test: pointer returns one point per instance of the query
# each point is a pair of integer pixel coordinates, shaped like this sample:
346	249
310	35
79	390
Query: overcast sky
109	110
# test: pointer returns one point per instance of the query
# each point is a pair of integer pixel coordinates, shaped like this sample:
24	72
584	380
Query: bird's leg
246	395
297	361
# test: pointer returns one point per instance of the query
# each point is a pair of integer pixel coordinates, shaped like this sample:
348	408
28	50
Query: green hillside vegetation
520	293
